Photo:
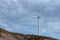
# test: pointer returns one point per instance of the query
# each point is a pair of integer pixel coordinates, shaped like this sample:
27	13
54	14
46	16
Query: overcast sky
21	16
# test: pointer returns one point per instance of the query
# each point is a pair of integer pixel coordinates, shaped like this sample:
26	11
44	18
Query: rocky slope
5	35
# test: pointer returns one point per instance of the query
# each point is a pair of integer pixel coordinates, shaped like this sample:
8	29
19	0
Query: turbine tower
38	27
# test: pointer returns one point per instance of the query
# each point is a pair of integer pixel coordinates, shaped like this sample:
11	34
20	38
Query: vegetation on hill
6	35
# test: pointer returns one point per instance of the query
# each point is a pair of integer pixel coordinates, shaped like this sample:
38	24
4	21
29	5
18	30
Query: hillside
6	35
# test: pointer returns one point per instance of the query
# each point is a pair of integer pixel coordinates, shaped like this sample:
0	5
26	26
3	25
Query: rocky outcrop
5	35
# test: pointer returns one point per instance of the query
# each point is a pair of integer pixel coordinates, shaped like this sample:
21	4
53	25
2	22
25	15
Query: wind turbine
38	27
